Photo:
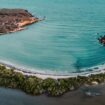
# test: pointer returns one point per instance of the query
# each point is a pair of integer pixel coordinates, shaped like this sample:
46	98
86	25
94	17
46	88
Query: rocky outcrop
12	20
101	40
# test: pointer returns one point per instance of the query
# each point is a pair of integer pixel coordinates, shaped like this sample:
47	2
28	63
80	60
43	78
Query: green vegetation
51	87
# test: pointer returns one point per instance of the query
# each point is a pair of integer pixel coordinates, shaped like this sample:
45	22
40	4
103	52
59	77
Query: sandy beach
42	75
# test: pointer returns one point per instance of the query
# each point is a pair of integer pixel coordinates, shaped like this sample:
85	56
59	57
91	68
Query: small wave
84	72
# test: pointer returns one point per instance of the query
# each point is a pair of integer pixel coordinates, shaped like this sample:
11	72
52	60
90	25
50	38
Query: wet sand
44	75
16	97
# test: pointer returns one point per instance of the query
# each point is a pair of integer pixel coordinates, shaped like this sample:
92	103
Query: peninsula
12	20
34	83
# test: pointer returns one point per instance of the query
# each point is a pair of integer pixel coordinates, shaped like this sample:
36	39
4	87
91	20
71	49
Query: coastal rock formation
12	20
102	40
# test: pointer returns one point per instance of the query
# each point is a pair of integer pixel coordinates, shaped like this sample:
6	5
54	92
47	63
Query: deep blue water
65	42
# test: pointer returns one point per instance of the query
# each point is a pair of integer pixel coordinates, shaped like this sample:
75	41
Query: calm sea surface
65	42
14	97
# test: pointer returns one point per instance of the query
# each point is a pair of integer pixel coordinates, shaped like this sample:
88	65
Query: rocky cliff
12	20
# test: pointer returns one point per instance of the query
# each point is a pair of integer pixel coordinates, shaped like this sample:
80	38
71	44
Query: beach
58	61
43	75
63	43
35	83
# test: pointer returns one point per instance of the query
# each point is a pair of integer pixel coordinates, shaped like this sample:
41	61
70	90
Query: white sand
94	70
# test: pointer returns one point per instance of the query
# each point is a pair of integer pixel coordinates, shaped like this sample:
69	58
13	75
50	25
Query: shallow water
65	42
15	97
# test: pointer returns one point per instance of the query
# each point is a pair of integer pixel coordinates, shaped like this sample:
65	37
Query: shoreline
12	20
35	83
90	71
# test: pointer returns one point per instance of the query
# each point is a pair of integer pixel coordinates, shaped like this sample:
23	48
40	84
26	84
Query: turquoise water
65	42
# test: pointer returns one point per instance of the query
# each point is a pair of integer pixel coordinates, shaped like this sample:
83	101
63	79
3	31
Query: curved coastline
35	83
55	75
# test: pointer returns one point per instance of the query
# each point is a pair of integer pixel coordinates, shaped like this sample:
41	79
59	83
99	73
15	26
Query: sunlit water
65	42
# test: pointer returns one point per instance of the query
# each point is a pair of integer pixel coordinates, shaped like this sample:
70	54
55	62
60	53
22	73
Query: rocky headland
12	20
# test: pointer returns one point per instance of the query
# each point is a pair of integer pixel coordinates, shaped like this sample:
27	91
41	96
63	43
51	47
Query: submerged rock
12	20
91	91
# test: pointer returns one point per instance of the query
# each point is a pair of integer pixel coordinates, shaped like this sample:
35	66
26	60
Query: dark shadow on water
78	97
77	66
